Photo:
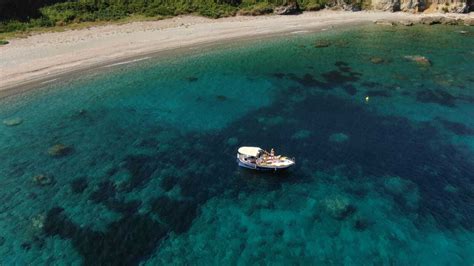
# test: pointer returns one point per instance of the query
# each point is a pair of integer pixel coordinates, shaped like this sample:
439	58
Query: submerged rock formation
338	137
37	221
339	207
59	150
377	60
43	180
420	60
12	122
322	43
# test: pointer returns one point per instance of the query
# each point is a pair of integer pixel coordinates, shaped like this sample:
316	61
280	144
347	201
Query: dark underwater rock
2	241
43	180
78	185
341	77
26	245
178	215
59	150
307	80
341	64
126	208
436	96
370	84
322	44
127	241
457	128
377	60
167	183
141	167
279	75
221	98
361	224
349	89
192	79
105	190
378	93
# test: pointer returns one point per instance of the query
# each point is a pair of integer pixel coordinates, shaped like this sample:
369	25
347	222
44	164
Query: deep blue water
144	170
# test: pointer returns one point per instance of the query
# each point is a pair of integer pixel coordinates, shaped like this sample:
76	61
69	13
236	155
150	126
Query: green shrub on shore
3	42
257	9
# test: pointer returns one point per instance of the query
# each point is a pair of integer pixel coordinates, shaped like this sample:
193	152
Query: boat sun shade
250	151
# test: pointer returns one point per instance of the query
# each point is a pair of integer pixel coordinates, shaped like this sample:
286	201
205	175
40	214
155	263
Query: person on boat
272	152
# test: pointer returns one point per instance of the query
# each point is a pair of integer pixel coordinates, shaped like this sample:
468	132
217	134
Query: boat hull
253	166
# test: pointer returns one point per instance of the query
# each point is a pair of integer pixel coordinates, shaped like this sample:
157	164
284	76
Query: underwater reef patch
455	127
177	214
12	122
378	93
378	145
322	43
221	98
350	89
125	242
362	224
167	183
307	80
339	207
278	75
141	168
78	185
342	77
60	150
125	208
437	96
371	84
104	191
192	79
43	180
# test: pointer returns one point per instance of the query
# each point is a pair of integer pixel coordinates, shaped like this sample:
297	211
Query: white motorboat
259	159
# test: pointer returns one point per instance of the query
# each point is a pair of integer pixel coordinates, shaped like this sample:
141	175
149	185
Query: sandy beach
42	57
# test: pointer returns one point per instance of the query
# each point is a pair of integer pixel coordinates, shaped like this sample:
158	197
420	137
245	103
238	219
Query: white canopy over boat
250	151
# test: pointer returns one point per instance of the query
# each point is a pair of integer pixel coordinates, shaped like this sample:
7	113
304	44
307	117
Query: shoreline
42	58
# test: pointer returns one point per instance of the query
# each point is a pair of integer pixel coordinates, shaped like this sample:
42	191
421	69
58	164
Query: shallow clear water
147	173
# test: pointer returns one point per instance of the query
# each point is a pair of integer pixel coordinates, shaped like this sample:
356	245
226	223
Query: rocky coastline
429	20
411	6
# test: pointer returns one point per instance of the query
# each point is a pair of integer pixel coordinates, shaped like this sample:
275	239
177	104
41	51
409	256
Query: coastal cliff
412	6
450	6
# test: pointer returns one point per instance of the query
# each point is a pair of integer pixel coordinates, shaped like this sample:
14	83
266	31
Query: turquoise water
137	161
